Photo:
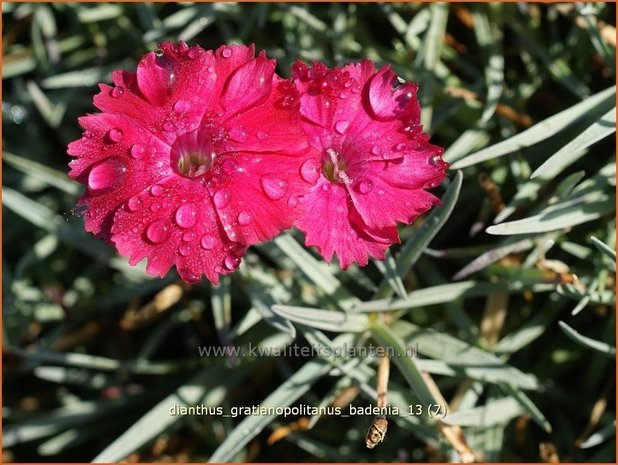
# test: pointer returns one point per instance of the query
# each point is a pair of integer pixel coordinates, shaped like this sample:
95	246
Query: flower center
194	164
193	154
334	168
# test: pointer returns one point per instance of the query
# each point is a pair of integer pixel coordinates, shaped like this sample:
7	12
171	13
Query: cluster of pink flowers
200	154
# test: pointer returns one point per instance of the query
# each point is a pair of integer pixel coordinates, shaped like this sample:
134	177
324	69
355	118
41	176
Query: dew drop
376	150
155	207
380	192
226	52
115	135
134	203
401	146
231	262
342	126
231	233
309	171
244	218
261	135
188	236
182	106
274	187
156	190
288	101
222	198
138	151
228	166
210	69
106	174
158	231
438	162
184	249
117	91
208	242
238	134
193	53
168	126
293	201
365	186
326	187
186	216
188	275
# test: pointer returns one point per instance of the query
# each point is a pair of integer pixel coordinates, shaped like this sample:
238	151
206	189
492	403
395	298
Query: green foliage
522	96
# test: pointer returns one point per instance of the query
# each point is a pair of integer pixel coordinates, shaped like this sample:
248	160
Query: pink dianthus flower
192	159
369	162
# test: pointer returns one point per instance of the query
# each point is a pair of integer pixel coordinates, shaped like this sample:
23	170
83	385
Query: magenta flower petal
172	223
256	197
388	99
155	78
369	162
116	158
334	226
273	126
171	97
194	158
237	96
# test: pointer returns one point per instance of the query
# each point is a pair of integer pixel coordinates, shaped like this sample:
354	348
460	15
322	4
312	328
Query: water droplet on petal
380	192
438	162
134	203
155	207
309	171
231	262
188	236
138	151
238	134
188	275
273	186
244	218
226	52
261	135
401	146
168	126
376	150
222	198
228	166
208	242
210	69
326	187
342	126
186	216
230	232
365	186
184	249
156	190
193	53
288	101
106	174
115	135
117	91
182	106
293	201
158	231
